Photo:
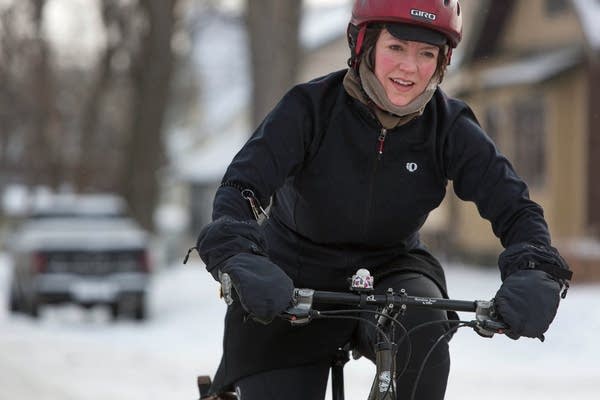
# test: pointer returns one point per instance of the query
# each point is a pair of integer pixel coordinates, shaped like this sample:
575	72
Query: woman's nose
407	63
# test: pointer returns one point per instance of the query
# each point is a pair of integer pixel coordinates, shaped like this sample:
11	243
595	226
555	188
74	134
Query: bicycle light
362	281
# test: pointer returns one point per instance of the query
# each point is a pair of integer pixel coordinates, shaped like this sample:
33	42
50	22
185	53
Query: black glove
527	302
264	290
533	276
238	249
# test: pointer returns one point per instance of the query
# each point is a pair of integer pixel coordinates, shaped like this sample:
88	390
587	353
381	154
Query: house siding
569	101
593	149
566	201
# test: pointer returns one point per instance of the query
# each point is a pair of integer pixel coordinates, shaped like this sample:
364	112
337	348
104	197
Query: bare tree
30	121
98	128
273	27
150	75
88	159
12	110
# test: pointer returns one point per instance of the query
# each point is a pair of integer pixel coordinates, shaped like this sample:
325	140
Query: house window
554	7
530	140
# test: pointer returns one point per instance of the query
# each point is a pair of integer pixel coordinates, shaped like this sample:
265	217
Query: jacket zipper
381	142
380	148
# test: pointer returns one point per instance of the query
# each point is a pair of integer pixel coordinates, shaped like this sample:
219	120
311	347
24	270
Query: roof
588	12
532	69
490	27
492	17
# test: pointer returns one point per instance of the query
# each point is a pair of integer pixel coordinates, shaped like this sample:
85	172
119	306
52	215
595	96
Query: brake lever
486	324
226	287
493	326
301	312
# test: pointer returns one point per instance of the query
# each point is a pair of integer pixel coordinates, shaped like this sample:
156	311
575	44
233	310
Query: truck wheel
140	313
33	308
114	310
15	303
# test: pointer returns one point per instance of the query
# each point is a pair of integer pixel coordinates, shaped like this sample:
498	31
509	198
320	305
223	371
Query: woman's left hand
527	302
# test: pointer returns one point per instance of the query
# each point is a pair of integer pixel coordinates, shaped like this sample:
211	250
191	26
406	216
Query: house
531	73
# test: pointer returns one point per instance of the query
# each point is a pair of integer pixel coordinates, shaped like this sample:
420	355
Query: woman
354	162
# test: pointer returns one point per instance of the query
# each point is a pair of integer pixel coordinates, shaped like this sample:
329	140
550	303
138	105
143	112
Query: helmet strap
449	56
360	38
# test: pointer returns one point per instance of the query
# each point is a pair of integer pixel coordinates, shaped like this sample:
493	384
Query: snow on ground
73	354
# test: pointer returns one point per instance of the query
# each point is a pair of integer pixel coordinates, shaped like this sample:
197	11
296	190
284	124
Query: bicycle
389	307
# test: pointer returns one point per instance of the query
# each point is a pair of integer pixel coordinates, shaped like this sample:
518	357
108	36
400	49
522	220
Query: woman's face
403	67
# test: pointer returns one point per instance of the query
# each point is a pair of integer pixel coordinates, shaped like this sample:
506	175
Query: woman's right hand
237	248
264	290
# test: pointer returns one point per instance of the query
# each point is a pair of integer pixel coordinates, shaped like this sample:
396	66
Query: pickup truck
83	255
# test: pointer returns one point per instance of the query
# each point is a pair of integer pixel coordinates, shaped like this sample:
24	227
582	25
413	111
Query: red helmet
442	16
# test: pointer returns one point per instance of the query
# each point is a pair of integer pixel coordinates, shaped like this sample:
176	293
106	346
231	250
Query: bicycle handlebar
485	323
359	299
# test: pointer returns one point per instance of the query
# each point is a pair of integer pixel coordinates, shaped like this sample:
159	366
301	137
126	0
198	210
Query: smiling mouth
402	84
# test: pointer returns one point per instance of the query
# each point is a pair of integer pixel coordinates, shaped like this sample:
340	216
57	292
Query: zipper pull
255	205
381	140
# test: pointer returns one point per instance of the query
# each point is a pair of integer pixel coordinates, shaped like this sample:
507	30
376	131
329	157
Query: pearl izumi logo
423	15
411	166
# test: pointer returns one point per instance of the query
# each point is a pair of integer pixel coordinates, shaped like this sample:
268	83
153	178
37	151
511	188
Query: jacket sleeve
275	151
272	154
484	176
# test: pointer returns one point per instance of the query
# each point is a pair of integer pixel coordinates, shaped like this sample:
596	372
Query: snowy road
74	355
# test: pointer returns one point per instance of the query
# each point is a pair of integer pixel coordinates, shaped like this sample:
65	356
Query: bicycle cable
335	314
451	331
374	325
378	313
387	339
393	376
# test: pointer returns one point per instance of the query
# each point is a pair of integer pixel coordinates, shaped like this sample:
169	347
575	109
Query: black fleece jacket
346	193
340	181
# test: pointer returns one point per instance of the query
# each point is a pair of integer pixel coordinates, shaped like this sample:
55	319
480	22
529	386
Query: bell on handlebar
362	281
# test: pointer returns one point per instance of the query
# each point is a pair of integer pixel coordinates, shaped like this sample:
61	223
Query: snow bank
71	354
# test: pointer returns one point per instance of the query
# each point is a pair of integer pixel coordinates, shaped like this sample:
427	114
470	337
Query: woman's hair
374	31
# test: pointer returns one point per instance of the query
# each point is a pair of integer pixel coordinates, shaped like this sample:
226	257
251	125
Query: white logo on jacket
411	166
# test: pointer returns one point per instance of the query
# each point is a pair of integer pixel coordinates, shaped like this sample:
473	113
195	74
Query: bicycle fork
384	384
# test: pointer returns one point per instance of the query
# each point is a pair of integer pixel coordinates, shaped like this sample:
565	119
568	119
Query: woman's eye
395	47
428	54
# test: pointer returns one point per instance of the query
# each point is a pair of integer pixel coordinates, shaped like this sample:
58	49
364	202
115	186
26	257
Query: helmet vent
457	8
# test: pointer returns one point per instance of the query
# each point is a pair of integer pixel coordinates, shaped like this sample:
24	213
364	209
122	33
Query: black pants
309	382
